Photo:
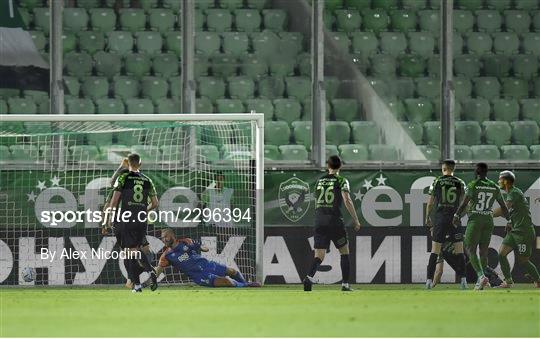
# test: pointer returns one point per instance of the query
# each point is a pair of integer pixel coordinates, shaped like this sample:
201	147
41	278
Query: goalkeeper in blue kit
184	254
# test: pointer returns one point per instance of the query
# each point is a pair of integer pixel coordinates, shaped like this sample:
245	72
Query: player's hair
168	230
508	175
481	169
134	159
450	164
334	162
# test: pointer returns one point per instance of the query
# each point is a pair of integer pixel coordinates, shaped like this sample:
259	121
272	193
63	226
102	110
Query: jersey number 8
138	193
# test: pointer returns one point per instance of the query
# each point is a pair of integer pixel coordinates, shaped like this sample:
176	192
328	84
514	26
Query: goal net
56	173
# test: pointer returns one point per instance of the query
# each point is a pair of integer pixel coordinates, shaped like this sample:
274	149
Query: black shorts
444	230
131	235
323	236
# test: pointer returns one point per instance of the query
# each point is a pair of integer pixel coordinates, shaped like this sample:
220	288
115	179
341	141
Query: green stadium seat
154	88
505	109
430	152
205	4
261	106
393	43
149	42
402	88
24	153
276	133
487	87
428	87
467	66
22	106
173	42
132	19
7	93
430	20
515	152
241	87
536	22
271	153
412	66
282	65
169	106
298	87
341	41
337	132
83	153
95	87
42	18
525	66
39	40
291	43
396	107
418	109
505	43
231	4
379	152
358	4
345	109
530	109
30	4
126	87
150	153
211	87
229	106
257	4
353	153
45	107
471	5
110	106
525	132
200	20
107	64
463	153
497	132
537	88
308	111
457	44
120	42
535	152
467	132
5	155
224	65
78	64
499	5
421	43
218	20
302	132
247	20
175	85
288	110
80	106
204	105
364	44
479	43
485	152
71	86
387	5
348	20
331	85
207	43
517	21
497	65
139	106
137	65
235	43
477	109
375	20
462	87
166	65
515	88
527	5
531	43
293	153
254	67
36	96
403	20
415	4
75	19
91	42
69	42
275	19
161	20
415	130
102	19
432	132
365	132
488	21
463	21
271	87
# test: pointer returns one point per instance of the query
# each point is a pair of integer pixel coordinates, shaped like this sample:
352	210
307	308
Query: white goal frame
256	118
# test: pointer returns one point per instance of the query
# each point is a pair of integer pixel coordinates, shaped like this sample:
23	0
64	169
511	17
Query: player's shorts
131	234
444	229
323	236
521	241
209	273
479	230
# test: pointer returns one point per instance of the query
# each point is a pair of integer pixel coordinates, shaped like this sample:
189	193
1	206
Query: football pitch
371	310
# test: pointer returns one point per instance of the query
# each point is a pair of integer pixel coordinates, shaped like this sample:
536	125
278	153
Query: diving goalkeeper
184	254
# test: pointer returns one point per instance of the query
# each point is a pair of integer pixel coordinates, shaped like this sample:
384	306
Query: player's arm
429	208
154	203
123	165
349	204
162	264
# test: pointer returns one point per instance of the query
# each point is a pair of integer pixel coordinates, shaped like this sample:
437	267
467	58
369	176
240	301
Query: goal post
208	170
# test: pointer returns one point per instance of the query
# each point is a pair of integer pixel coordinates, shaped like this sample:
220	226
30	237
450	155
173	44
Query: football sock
505	268
475	262
531	269
345	268
460	265
432	263
484	262
133	270
239	277
314	266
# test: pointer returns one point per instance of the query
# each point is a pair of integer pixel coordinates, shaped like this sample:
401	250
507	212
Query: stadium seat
396	107
271	153
83	153
536	22
149	42
42	17
457	44
488	21
207	43
531	43
75	19
95	87
515	152
505	109
525	66
487	87
515	88
36	96
282	65
39	40
229	106
110	106
485	152
287	109
535	152
341	41
418	109
421	43
241	87
345	109
375	20
80	106
348	20
392	43
537	88
276	133
154	88
274	19
402	88
218	20
430	21
139	106
462	87
403	20
200	20
235	43
298	87
337	132
173	42
302	132
253	67
30	4
505	43
468	133
379	152
120	42
107	64
91	42
22	106
530	109
430	152
166	65
428	87
271	87
477	109
353	153
365	132
247	20
78	64
69	42
415	130
161	20
525	132
467	66
471	5
204	105
5	154
168	106
497	132
497	65
224	65
411	66
293	153
331	85
527	4
387	5
517	21
126	87
358	4
364	44
24	152
137	65
432	132
479	43
71	86
462	152
261	106
132	19
147	5
102	19
463	21
292	43
211	87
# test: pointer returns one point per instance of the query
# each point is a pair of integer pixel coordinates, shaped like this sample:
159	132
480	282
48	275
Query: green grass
371	310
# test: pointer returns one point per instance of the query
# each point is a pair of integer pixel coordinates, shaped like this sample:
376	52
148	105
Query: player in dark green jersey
331	192
446	192
520	236
132	191
480	195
